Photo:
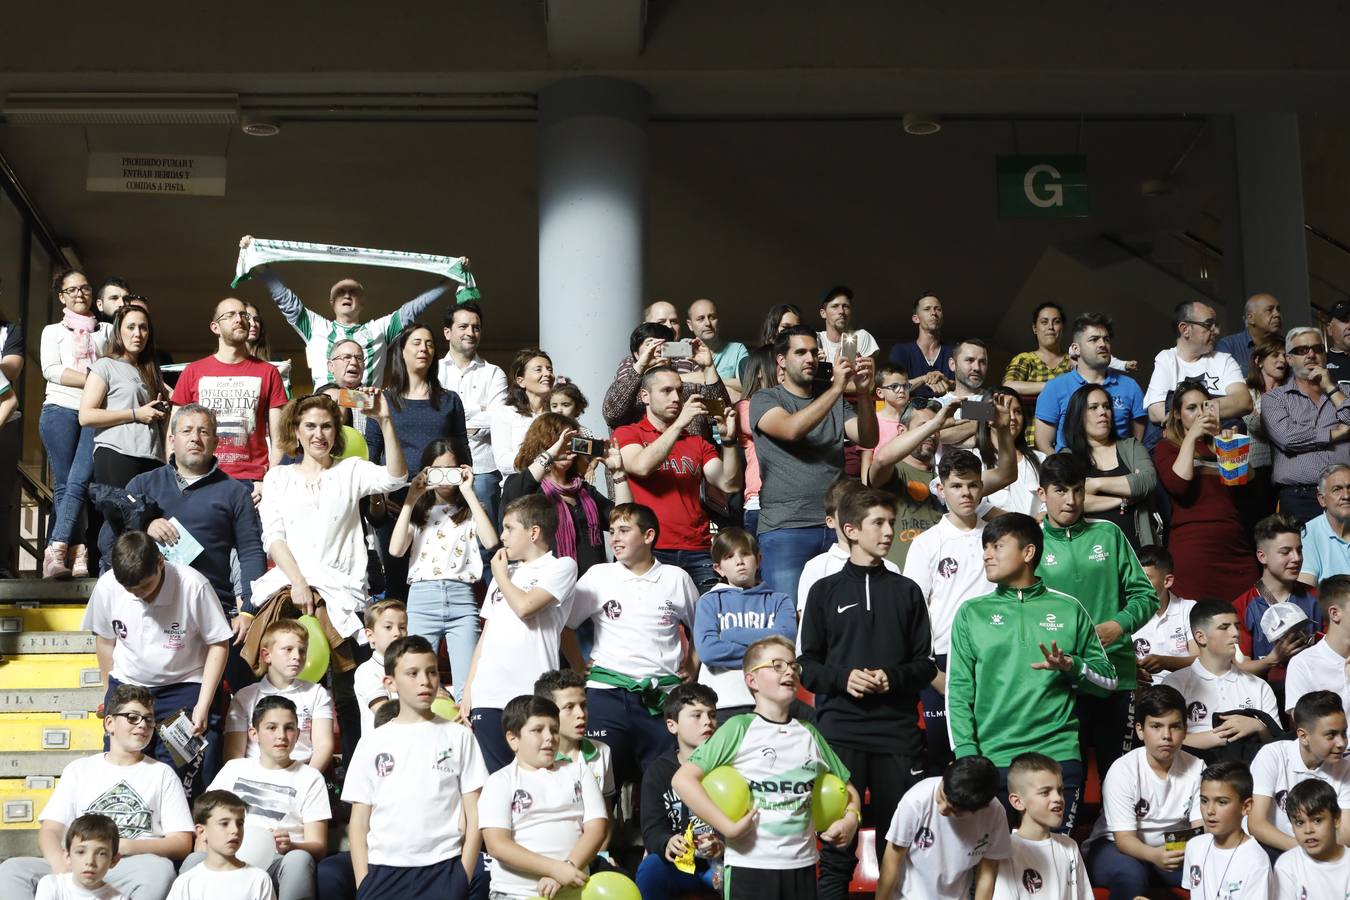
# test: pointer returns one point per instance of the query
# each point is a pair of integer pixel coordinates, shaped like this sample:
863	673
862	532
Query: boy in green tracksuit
1016	657
1093	560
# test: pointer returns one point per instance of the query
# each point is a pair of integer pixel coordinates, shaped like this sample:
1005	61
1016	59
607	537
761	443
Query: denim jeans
445	608
786	551
697	563
70	455
487	487
1125	876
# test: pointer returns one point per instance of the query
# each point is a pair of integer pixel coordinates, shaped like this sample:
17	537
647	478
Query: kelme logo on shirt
1050	560
996	619
1098	553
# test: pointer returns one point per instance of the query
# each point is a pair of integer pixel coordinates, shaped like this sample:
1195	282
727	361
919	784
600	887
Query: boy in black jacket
866	650
691	715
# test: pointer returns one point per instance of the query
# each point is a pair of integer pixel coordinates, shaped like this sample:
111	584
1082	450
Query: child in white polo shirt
1318	751
284	645
542	820
1214	684
1040	864
159	625
523	617
386	621
1325	664
1319	866
1225	862
639	606
1164	643
1149	792
413	786
947	836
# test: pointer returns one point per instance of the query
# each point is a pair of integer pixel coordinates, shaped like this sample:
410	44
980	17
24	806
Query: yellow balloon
354	444
445	708
316	652
829	799
728	789
610	886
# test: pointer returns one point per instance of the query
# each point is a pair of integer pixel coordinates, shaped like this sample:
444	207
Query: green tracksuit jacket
1093	561
998	705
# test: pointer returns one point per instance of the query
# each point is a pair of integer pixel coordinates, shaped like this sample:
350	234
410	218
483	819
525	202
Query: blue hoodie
727	620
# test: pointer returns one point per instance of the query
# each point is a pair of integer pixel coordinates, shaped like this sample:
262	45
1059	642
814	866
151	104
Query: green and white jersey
781	762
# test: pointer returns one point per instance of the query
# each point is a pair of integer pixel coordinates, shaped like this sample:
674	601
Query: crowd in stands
975	602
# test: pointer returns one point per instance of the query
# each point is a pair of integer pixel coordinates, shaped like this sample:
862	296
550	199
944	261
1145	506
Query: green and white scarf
263	252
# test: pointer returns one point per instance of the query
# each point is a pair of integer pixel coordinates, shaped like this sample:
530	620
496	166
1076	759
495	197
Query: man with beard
1092	334
727	355
481	387
969	365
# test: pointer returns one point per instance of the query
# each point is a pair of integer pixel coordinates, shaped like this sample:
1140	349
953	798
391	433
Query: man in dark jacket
866	648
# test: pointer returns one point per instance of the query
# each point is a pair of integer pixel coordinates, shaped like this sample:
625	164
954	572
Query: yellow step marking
46	671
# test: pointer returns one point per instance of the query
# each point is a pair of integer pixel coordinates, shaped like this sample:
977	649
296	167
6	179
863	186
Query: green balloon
727	788
609	886
354	444
829	799
316	652
445	708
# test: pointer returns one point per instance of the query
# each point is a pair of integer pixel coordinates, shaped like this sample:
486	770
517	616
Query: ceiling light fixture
921	124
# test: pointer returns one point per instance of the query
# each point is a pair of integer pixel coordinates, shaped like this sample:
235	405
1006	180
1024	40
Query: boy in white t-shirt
1318	751
141	795
639	606
385	622
947	836
219	816
1225	862
159	625
1164	643
413	785
567	690
1040	864
284	646
1326	664
91	850
524	613
1214	684
1149	792
1319	867
288	811
542	821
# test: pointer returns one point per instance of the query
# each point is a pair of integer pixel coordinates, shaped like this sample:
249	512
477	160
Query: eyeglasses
1307	349
898	387
347	357
72	291
133	719
1210	325
240	314
780	666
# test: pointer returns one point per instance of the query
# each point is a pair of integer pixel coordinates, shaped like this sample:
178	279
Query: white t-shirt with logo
1207	694
311	702
414	777
1051	869
514	652
1218	371
1279	766
1135	799
64	887
201	883
867	345
1300	877
637	617
944	851
544	810
1319	668
1212	873
598	759
368	685
1167	633
285	799
947	563
163	642
144	799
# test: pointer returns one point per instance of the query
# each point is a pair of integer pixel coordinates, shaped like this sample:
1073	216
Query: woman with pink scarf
69	347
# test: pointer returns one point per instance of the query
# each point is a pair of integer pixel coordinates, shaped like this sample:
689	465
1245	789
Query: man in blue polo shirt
1326	539
1092	339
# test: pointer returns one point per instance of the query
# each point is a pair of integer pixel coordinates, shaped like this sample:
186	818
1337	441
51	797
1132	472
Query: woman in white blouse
311	527
529	381
68	349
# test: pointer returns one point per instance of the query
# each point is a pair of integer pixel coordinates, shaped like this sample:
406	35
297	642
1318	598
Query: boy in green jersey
771	850
1017	655
1092	560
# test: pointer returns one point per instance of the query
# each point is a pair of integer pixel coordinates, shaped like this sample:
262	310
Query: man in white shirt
1324	665
836	308
1318	752
1194	356
481	387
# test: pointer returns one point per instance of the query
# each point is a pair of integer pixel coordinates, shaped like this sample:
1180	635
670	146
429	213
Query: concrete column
1265	246
592	203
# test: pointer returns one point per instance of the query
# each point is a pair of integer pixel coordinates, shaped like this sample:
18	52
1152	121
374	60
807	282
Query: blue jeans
697	563
658	879
66	444
1126	876
786	551
487	487
751	519
446	608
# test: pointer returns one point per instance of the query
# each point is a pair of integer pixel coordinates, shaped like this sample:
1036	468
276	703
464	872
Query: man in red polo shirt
666	468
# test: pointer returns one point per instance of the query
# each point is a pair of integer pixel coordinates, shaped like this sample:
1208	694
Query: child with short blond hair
285	645
385	622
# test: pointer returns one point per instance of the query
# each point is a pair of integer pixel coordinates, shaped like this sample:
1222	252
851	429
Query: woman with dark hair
1212	553
422	411
1121	477
546	464
442	529
68	350
1257	498
529	381
1020	496
126	402
779	317
760	372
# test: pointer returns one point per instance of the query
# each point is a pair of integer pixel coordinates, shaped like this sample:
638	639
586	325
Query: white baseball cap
1280	618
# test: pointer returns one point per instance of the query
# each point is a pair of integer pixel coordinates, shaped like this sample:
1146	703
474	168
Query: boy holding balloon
771	842
285	646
